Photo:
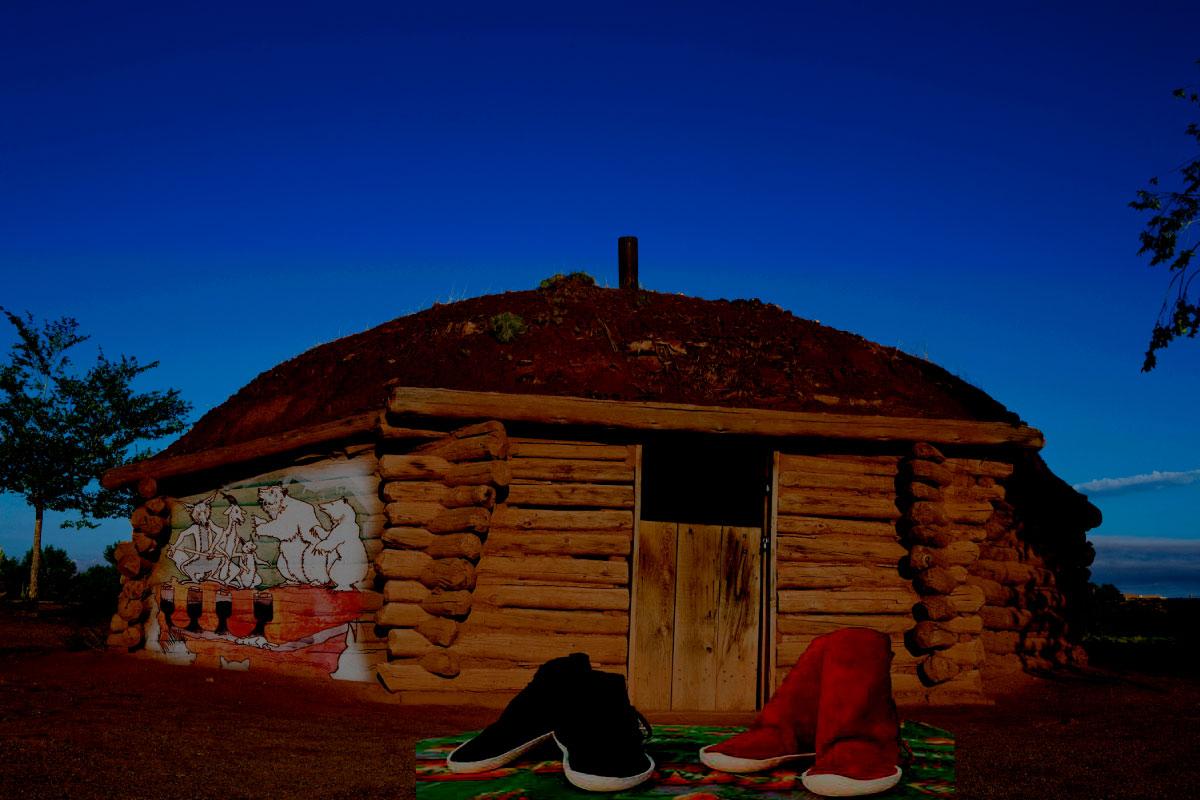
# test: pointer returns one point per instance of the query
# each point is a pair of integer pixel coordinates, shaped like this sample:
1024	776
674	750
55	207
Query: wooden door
695	628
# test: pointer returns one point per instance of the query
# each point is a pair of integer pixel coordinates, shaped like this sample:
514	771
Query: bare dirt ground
87	724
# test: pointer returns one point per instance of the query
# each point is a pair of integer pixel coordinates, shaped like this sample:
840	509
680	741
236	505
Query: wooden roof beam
657	416
214	457
626	414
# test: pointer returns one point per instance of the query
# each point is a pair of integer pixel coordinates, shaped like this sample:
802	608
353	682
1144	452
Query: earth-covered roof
572	338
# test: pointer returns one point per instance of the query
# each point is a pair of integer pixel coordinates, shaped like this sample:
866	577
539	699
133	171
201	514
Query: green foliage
506	326
94	591
56	572
559	279
1169	238
61	428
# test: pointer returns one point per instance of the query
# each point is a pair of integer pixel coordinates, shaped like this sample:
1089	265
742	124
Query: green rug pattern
679	773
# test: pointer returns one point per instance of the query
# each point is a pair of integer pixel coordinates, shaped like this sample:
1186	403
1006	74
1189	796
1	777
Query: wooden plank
766	651
816	624
980	467
222	457
818	575
430	492
652	633
413	468
556	410
510	594
971	512
816	526
543	620
570	471
536	448
482	447
834	464
579	495
504	541
694	660
972	494
871	484
847	601
736	642
535	649
548	568
412	515
845	548
836	503
559	520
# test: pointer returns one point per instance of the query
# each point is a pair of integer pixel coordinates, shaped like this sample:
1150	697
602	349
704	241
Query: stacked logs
1034	559
135	559
942	525
553	577
557	559
439	500
837	549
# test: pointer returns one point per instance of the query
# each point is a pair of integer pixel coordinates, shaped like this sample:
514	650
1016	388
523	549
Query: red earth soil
96	725
584	341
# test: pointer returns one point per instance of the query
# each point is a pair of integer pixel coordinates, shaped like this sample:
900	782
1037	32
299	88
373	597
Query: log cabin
687	490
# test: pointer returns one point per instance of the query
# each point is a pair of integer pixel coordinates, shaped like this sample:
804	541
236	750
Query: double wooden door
694	638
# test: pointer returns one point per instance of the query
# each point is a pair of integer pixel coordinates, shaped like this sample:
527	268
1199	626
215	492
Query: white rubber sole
495	762
727	763
601	783
841	786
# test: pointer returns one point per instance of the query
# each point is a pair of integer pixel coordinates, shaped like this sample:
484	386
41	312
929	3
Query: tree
1170	239
60	428
56	574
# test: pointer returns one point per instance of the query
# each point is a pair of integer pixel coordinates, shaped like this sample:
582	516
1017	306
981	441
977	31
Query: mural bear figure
292	522
347	557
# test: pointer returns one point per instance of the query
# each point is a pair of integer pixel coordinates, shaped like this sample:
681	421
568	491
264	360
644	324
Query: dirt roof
581	340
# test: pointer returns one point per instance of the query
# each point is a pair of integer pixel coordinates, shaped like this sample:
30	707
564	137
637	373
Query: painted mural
274	572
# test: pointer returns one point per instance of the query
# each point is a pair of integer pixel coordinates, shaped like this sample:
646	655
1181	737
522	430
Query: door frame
767	645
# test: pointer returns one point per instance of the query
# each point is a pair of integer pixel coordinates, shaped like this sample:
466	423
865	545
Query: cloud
1145	564
1147	480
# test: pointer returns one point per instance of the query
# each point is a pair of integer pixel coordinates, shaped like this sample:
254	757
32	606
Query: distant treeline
92	592
1148	634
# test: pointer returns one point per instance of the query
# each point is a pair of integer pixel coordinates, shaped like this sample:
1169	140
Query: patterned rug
680	774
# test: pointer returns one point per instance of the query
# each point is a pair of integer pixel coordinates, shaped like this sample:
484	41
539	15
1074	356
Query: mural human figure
292	521
346	557
193	550
239	569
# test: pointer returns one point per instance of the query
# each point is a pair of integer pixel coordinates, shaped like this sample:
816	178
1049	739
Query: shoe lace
644	729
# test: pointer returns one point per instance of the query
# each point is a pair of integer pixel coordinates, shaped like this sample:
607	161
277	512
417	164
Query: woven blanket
680	775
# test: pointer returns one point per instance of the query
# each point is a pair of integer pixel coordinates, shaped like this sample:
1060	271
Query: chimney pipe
627	262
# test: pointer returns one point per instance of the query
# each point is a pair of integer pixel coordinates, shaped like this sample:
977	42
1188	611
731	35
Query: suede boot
786	727
858	730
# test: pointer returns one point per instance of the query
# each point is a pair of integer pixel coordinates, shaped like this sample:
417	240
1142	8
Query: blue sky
221	187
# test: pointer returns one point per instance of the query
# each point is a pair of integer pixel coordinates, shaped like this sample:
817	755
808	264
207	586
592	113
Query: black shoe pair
587	713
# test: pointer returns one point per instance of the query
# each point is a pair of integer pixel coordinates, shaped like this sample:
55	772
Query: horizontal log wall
837	556
551	577
557	558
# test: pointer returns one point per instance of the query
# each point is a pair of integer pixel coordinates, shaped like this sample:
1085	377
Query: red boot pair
836	703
